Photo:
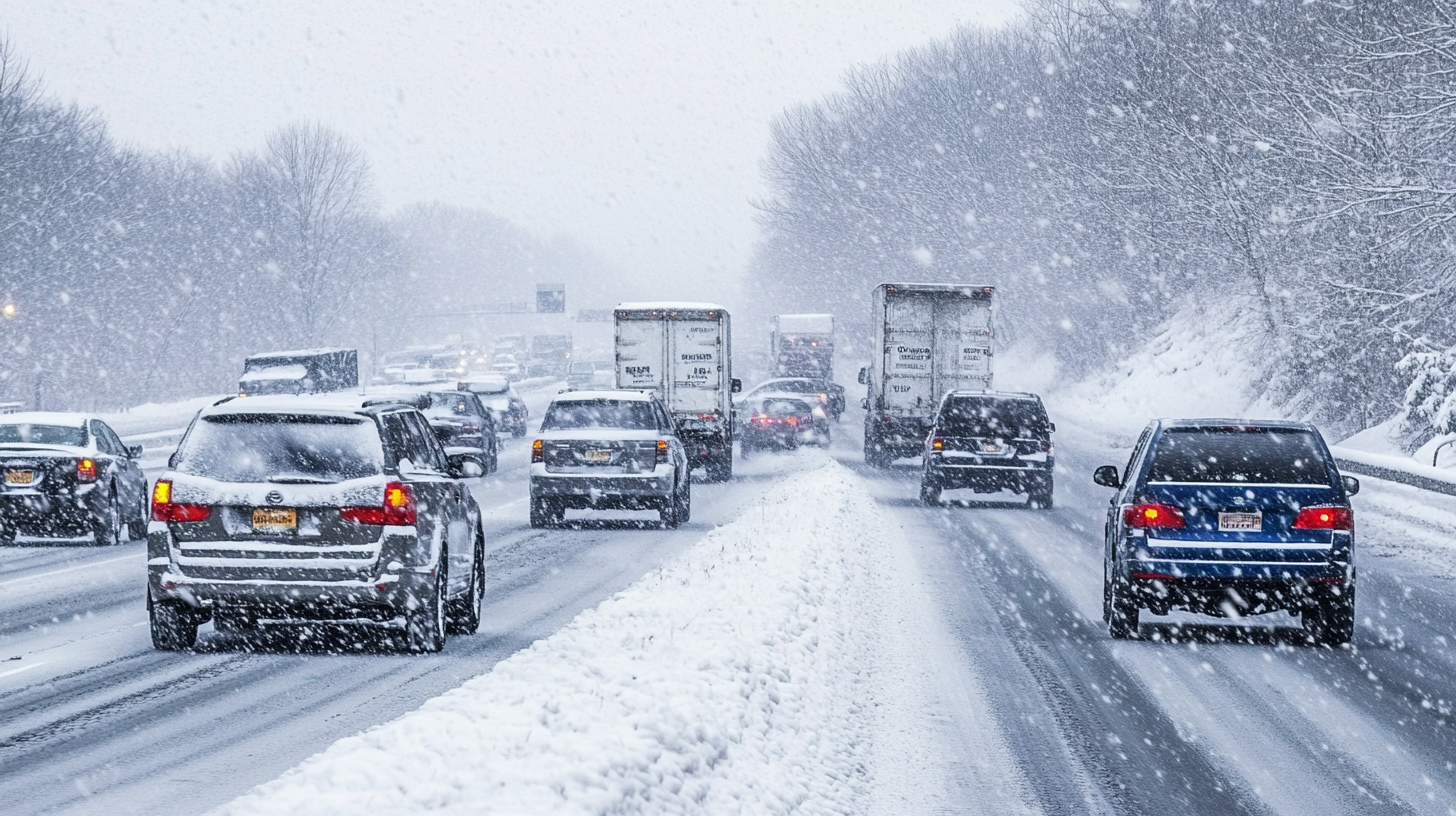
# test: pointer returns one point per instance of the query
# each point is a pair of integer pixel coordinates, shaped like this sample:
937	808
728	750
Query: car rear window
617	414
281	448
986	416
30	434
784	407
447	405
1253	455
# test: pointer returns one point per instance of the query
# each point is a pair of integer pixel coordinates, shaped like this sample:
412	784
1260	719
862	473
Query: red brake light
164	509
538	455
793	420
1152	515
761	420
1324	518
937	444
86	470
398	508
662	451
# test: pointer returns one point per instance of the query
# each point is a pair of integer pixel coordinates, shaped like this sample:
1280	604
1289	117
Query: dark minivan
989	441
1230	517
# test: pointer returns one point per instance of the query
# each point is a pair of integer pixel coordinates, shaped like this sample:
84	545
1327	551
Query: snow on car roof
282	371
269	355
340	403
1230	422
668	305
994	394
625	395
44	418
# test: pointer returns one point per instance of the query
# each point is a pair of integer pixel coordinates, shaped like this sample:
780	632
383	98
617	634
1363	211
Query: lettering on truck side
697	358
639	371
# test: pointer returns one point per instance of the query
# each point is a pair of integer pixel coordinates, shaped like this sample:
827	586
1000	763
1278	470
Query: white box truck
930	338
802	345
683	351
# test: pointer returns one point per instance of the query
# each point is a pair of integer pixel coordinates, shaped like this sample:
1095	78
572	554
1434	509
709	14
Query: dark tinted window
635	415
281	448
25	434
988	416
1256	455
784	407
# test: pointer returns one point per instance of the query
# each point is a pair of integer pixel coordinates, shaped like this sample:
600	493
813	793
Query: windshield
27	434
1214	455
281	448
607	414
1002	418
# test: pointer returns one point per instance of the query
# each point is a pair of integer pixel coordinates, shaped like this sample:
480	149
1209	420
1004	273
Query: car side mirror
864	376
737	385
1352	485
1107	476
1052	426
864	402
134	452
172	461
465	466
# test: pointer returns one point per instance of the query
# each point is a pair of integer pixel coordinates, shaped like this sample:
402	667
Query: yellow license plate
275	518
598	456
19	477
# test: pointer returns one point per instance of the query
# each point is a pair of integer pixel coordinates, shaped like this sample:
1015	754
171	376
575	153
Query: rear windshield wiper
299	480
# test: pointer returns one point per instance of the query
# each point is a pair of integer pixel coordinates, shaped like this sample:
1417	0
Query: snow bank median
739	678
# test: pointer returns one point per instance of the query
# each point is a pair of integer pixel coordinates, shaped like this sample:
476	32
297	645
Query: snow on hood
190	489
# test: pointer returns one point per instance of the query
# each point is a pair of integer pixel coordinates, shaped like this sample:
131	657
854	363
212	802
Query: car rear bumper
602	491
33	514
1210	585
1019	477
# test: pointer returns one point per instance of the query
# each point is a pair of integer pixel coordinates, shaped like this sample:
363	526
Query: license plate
19	477
1239	522
598	456
990	447
275	518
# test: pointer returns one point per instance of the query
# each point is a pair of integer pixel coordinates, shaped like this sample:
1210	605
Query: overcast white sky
635	126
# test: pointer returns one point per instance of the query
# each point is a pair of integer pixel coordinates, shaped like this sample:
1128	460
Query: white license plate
19	477
598	456
990	447
1240	522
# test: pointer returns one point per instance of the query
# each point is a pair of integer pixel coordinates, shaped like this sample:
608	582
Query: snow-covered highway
1004	690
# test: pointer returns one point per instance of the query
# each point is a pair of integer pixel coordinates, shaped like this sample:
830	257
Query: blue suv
1229	517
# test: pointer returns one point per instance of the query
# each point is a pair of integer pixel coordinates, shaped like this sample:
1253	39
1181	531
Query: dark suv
989	441
464	424
330	509
1228	517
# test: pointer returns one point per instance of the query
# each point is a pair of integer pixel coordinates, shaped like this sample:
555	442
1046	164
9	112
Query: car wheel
685	501
1123	610
138	529
173	626
109	526
465	610
1041	497
544	513
1331	620
929	490
424	626
720	466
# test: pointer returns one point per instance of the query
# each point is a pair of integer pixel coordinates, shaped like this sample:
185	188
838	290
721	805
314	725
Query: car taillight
398	508
86	470
793	420
1048	448
164	509
538	454
1152	515
937	444
1324	518
761	420
662	451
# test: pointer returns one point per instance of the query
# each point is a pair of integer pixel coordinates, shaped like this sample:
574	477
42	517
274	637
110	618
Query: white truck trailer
683	351
930	338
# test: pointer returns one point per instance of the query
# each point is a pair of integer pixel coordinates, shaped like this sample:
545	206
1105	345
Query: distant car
68	477
989	441
510	371
510	411
1228	517
581	374
603	450
317	508
463	423
782	421
827	395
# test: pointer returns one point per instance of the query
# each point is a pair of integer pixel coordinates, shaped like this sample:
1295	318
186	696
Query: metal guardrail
1392	475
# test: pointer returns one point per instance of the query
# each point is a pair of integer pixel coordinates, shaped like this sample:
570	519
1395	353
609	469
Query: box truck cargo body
930	338
683	351
802	345
307	371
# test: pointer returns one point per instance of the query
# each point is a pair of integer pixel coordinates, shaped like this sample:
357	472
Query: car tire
424	626
465	611
544	513
174	628
1331	620
929	491
1041	498
685	501
1123	610
109	526
137	530
720	466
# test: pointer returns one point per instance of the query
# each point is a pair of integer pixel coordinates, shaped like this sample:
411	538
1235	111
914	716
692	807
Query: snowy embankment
769	668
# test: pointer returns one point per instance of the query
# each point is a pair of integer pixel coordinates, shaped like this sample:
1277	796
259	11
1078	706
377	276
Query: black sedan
461	421
68	478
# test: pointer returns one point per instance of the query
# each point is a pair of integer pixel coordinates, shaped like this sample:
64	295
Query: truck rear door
696	367
908	354
640	354
963	345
